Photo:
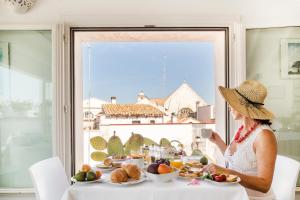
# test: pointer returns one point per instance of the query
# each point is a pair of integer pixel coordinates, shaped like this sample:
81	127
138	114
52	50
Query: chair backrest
285	178
49	179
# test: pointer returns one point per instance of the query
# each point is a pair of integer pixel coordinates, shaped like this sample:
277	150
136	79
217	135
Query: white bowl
163	177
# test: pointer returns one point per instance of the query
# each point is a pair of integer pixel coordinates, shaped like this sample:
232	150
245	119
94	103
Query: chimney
197	105
113	100
212	112
141	96
172	117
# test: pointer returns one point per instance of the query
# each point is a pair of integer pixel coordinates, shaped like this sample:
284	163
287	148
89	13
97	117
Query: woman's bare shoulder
266	136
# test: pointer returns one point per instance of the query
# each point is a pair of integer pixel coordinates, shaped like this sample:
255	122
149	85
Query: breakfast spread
125	167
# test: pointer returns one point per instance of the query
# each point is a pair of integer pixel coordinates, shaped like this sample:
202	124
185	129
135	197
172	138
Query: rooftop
131	110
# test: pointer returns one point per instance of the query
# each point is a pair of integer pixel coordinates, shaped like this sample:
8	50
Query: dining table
178	189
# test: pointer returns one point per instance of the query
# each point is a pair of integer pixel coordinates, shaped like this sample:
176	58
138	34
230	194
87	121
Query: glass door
273	58
25	104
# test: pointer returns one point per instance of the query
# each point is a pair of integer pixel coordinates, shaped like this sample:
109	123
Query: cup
206	132
138	162
176	163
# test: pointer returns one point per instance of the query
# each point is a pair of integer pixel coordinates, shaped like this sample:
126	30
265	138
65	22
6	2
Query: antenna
164	74
90	81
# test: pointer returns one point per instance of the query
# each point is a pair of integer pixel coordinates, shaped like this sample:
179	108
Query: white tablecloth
175	190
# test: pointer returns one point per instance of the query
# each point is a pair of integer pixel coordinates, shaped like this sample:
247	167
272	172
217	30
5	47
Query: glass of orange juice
176	164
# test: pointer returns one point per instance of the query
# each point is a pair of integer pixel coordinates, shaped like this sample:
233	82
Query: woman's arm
265	148
216	139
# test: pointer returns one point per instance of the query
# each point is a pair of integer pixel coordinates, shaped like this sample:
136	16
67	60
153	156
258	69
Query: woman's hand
215	138
215	169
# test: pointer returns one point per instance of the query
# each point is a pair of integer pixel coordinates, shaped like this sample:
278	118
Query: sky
123	69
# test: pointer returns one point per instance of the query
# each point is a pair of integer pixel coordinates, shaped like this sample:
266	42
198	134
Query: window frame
230	48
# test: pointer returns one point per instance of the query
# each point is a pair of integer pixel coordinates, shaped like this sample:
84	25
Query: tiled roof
159	101
131	110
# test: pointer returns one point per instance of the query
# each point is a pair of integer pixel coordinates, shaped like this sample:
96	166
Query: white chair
49	179
285	178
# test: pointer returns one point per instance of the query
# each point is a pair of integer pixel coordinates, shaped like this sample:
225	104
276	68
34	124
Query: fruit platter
220	178
87	175
161	171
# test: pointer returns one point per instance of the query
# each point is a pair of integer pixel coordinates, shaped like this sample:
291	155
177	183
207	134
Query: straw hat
248	99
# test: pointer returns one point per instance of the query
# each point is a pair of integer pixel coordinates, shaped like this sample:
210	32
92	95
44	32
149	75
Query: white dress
244	161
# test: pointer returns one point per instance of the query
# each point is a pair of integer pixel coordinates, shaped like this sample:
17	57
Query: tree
296	65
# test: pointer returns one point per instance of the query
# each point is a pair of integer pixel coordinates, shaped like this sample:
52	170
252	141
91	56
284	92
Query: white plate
224	182
129	182
104	168
83	182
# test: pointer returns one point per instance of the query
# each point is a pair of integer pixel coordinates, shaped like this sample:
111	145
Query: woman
252	153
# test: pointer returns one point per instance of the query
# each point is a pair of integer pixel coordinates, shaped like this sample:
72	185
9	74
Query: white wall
140	12
255	13
263	57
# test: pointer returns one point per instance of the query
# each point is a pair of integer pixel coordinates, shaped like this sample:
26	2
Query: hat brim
238	103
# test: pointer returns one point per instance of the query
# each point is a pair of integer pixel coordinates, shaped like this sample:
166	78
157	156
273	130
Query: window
265	52
149	82
25	104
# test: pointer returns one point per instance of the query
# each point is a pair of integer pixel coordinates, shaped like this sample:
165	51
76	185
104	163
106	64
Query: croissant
132	171
118	175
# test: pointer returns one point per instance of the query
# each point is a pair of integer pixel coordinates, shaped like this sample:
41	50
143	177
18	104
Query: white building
179	106
91	107
183	97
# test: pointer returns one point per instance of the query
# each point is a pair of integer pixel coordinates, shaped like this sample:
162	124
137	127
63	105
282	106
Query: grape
167	163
